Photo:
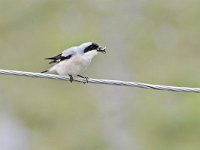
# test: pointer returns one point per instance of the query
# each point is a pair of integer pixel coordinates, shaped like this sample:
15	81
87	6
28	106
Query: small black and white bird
75	60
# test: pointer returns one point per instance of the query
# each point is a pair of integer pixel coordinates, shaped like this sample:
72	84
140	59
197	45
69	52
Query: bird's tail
52	69
44	71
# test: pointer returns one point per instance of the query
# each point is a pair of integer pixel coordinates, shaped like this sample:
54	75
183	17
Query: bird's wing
66	54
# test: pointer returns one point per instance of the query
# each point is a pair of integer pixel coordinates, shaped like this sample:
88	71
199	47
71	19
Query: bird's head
89	47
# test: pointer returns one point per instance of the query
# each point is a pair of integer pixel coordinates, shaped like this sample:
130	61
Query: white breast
75	65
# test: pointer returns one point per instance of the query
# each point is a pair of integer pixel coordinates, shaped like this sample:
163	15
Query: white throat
89	55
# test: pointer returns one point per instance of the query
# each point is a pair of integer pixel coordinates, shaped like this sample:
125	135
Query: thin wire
101	81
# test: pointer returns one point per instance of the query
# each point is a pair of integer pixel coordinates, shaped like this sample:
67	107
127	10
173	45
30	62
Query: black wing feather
58	58
54	58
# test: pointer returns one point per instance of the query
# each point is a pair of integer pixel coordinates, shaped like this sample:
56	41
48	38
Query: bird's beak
101	49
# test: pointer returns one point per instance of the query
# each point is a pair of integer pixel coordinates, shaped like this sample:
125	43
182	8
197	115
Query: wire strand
101	81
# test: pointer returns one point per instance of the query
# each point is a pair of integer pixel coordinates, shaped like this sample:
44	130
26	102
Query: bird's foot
70	78
86	78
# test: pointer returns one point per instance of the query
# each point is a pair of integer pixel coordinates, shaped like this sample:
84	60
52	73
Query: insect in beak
101	49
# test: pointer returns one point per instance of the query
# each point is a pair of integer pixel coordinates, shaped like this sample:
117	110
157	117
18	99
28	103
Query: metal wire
101	81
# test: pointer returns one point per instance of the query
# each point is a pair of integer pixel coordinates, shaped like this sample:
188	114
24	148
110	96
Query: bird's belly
72	66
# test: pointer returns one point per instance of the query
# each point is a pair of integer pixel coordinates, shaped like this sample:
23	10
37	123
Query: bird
74	60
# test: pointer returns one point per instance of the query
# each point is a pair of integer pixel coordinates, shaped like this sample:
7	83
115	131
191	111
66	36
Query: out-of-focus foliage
154	41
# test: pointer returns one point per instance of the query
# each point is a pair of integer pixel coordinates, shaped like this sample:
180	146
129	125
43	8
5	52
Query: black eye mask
93	46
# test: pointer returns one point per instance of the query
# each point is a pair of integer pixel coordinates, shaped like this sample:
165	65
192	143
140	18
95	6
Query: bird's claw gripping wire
86	78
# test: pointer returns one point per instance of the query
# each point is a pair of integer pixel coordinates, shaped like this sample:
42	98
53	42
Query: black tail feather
44	71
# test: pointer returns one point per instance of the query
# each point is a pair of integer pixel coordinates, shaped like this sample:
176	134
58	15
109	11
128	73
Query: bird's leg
86	78
70	78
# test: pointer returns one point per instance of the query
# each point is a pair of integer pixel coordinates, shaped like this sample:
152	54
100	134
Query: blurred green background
151	41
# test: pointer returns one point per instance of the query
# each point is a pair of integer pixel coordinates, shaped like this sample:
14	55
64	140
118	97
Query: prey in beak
101	49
